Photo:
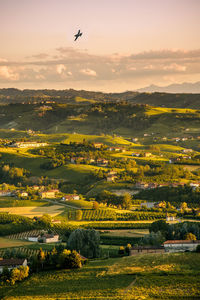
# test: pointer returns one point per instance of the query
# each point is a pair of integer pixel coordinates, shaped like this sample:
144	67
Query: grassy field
13	202
161	276
127	233
72	173
9	243
106	139
83	204
34	211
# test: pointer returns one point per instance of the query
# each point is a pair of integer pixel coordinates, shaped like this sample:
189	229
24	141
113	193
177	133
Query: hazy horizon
126	45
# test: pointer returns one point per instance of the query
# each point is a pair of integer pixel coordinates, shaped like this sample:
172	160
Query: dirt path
130	285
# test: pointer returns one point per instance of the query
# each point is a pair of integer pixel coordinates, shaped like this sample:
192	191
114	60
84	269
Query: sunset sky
126	44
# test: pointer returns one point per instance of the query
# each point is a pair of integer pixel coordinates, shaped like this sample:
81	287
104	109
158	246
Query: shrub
121	250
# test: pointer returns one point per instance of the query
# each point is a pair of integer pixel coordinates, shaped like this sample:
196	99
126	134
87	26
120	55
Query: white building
180	245
50	238
33	238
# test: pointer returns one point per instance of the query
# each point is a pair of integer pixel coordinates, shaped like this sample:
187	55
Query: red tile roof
182	242
11	262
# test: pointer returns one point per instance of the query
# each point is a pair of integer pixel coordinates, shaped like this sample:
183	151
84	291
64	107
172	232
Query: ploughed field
160	276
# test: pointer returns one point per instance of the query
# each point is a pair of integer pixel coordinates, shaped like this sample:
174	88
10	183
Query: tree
128	248
85	241
79	215
4	187
190	236
127	201
18	274
161	226
121	250
45	219
41	257
70	259
154	238
95	205
184	207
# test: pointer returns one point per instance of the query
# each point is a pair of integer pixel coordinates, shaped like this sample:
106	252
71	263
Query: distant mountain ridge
185	87
71	96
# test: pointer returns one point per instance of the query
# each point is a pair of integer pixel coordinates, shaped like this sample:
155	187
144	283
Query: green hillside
122	119
12	95
161	276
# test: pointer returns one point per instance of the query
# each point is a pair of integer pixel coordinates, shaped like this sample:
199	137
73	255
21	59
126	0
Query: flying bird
78	34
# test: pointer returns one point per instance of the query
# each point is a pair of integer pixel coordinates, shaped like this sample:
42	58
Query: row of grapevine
105	214
18	252
24	235
100	214
141	216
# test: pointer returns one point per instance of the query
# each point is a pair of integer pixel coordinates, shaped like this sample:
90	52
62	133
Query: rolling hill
147	96
123	118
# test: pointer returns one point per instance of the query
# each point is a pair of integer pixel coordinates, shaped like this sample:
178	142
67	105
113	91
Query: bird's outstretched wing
76	36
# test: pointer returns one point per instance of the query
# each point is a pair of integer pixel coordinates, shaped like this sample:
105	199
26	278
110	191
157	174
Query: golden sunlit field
7	243
34	211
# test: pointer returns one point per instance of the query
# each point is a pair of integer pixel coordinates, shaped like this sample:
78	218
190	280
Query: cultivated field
127	233
34	211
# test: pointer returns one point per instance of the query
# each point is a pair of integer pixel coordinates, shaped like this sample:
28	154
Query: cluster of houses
178	159
138	154
26	145
153	185
101	162
179	139
44	194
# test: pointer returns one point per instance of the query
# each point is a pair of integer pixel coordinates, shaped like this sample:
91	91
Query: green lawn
161	276
9	243
126	232
13	202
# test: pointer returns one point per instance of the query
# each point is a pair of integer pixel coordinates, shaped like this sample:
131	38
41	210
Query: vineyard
18	252
106	214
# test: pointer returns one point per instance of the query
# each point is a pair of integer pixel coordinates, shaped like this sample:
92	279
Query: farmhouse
145	250
147	154
70	197
111	178
23	194
170	218
33	238
49	194
136	154
45	238
194	185
49	238
187	150
98	145
141	185
116	149
102	162
180	245
12	263
6	193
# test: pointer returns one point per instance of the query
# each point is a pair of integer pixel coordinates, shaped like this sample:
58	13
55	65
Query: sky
126	44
